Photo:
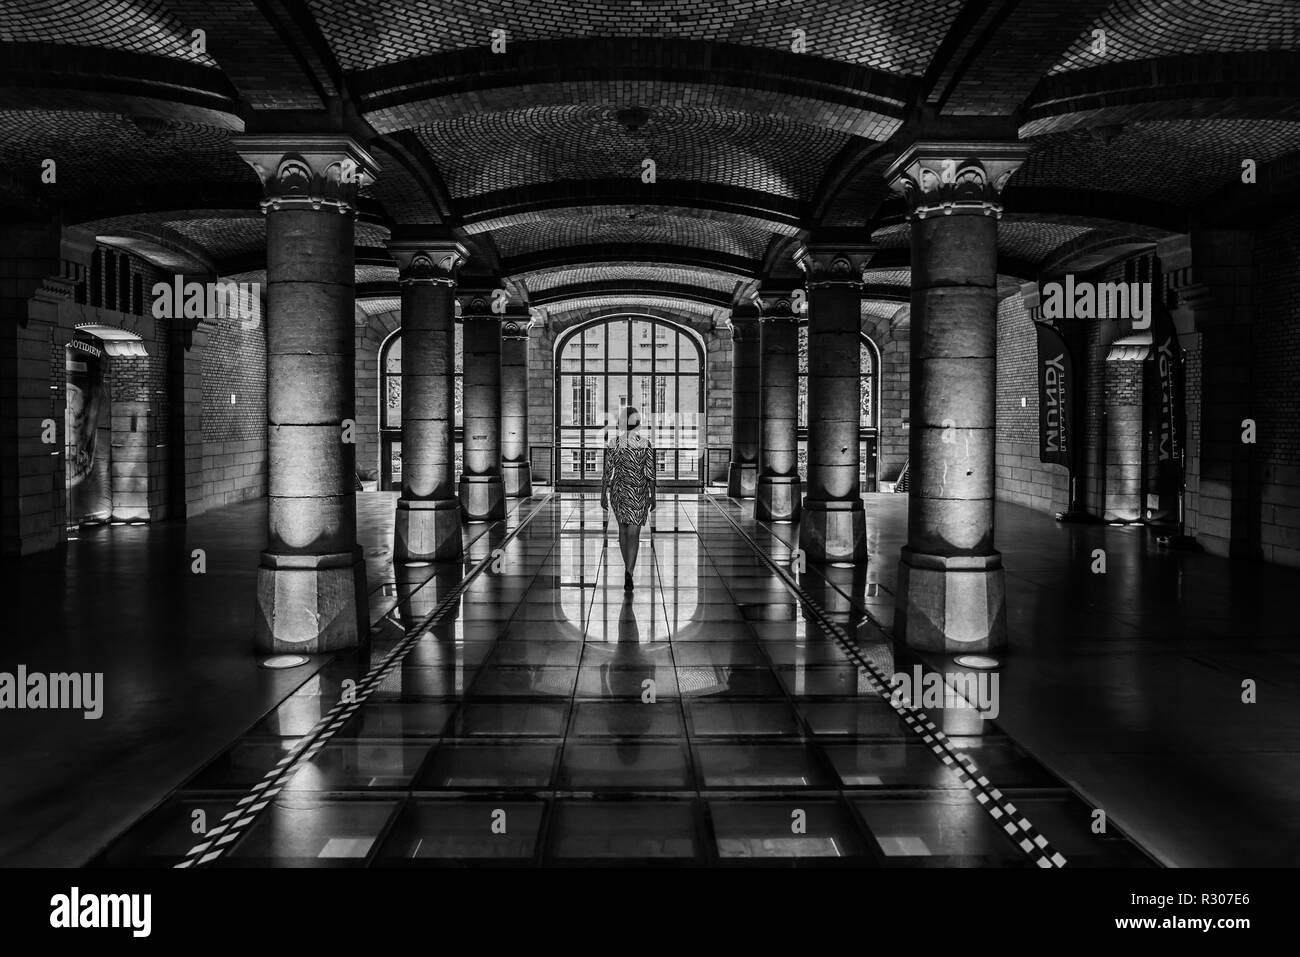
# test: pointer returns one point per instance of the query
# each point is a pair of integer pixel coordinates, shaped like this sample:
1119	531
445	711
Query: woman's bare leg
623	546
633	546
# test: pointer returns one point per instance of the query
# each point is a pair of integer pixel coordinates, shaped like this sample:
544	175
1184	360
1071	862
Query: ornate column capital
428	261
955	177
781	301
834	263
487	298
307	170
515	322
744	321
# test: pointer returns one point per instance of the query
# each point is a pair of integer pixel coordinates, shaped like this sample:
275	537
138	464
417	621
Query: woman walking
629	484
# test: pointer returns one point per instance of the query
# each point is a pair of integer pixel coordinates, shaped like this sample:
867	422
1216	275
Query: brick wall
1019	475
234	433
541	400
717	404
1276	409
1124	439
141	419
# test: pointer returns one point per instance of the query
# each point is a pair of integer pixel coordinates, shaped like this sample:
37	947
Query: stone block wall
541	402
716	435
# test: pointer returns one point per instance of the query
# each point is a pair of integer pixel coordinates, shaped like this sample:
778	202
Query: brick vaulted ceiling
767	120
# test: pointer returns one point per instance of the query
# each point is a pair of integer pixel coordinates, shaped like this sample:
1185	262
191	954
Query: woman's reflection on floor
624	676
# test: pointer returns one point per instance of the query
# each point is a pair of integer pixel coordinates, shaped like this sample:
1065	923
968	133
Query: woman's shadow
624	679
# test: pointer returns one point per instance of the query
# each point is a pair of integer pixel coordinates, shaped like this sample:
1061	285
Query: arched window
609	364
869	397
390	408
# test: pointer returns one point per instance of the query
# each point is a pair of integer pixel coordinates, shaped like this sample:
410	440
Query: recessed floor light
284	661
976	661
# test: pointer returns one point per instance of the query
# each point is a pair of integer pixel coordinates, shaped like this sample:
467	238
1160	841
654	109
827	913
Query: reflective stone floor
512	721
546	715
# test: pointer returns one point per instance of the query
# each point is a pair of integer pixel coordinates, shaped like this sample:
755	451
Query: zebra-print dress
630	479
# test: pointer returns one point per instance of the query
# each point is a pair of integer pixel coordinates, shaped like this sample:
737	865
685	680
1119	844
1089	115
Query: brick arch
1139	30
162	81
883	36
560	319
771	155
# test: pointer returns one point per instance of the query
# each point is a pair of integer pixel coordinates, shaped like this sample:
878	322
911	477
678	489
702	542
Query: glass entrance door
649	364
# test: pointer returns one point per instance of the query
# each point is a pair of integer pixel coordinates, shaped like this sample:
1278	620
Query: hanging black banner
1055	396
1167	355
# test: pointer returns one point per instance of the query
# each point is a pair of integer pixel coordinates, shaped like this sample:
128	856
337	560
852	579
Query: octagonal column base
482	498
427	531
777	498
951	605
742	479
309	604
833	531
517	479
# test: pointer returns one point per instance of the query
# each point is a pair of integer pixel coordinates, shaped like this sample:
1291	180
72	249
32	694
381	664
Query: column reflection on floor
554	717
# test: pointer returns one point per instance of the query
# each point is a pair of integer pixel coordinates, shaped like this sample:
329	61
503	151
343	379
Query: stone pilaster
778	493
1211	276
311	587
833	526
428	519
746	366
951	589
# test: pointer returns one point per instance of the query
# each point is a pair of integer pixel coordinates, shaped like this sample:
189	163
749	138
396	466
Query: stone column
427	526
833	527
778	491
1230	491
746	366
951	591
311	585
482	492
36	278
516	470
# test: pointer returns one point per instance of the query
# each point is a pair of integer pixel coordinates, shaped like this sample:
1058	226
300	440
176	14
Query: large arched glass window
390	409
650	364
868	393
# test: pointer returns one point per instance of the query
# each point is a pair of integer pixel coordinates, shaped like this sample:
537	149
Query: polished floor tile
785	829
624	830
443	831
553	717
